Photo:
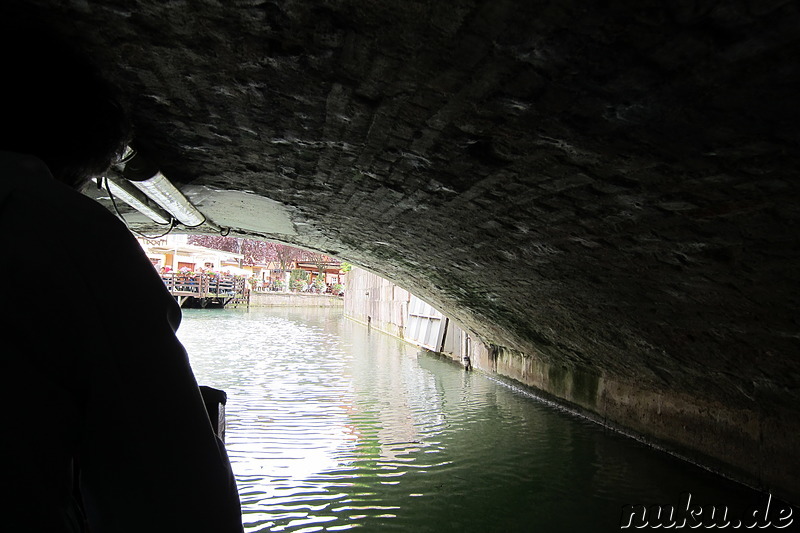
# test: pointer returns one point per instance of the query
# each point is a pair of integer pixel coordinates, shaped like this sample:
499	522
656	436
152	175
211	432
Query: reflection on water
332	426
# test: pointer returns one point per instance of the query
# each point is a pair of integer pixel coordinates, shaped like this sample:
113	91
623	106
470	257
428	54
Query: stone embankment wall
738	443
291	299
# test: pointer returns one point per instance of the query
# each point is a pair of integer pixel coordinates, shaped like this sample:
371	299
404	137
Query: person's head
55	105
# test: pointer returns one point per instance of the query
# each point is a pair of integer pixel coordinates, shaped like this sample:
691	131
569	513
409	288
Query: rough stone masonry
606	192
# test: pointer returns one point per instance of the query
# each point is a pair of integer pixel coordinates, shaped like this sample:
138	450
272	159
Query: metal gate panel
425	325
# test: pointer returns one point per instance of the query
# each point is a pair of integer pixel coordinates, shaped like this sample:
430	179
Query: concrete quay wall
293	299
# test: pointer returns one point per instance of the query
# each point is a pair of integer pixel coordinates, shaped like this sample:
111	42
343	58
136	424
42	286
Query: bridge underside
604	191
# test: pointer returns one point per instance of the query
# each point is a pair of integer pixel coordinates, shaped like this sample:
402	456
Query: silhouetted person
103	422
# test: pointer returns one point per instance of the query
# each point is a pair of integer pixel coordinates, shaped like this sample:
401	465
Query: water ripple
332	427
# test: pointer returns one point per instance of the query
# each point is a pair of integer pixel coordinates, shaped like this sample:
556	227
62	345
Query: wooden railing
200	285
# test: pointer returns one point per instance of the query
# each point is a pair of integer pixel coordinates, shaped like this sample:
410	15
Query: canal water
332	426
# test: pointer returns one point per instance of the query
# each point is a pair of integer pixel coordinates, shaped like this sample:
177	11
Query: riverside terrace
605	193
204	290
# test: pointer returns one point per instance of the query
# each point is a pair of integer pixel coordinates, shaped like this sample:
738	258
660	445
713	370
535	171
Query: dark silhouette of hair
55	105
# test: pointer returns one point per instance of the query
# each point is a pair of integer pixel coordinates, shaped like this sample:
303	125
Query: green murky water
333	427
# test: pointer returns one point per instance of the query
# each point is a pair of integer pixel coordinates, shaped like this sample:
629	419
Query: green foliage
346	267
298	274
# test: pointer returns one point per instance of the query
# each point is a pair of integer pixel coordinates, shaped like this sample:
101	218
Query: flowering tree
254	251
216	242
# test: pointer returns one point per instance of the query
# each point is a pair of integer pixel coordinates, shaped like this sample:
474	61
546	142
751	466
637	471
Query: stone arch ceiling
607	186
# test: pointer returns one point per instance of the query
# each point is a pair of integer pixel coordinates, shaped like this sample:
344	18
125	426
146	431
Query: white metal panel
425	325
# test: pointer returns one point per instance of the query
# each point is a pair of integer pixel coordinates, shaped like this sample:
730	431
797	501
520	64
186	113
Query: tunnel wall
605	189
738	443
